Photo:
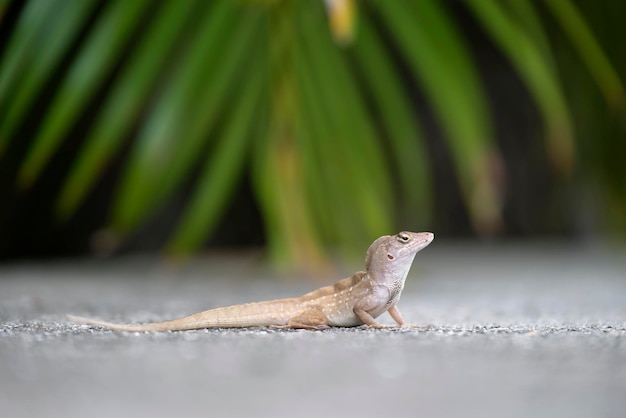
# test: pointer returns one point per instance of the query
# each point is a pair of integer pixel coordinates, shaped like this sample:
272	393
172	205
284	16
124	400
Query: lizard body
353	301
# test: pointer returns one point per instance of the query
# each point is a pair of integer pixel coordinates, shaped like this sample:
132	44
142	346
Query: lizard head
396	250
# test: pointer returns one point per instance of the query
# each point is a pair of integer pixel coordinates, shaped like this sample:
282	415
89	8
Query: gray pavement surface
532	330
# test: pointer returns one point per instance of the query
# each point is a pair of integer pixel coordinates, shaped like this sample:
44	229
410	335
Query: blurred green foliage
319	114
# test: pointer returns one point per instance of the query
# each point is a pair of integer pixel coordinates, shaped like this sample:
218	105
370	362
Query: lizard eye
403	237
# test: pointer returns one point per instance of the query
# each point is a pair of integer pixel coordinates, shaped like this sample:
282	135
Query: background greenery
305	124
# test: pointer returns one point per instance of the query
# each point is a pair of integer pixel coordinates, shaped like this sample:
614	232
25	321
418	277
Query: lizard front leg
369	320
397	316
375	301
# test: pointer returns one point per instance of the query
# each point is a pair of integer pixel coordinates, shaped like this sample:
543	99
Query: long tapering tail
154	326
258	314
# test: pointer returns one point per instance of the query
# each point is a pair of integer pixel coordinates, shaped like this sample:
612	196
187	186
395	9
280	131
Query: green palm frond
97	57
451	84
317	112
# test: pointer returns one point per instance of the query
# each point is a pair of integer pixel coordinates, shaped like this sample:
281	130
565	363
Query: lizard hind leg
309	318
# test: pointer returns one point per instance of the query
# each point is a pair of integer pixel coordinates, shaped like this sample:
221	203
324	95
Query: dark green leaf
590	51
400	122
123	106
538	75
437	56
43	34
95	60
176	129
221	170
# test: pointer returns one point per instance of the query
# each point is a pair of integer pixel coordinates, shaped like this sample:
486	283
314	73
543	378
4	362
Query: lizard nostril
389	256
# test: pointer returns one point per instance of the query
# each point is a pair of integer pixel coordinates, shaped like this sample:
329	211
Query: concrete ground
515	331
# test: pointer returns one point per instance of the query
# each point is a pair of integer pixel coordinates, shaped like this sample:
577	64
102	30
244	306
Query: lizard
353	301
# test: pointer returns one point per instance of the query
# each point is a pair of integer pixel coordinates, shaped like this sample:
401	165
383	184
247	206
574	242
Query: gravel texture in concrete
533	330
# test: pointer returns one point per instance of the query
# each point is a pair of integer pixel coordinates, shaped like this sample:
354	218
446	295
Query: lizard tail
272	313
155	326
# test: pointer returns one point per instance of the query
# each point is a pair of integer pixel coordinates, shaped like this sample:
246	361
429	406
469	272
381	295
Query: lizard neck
392	274
392	277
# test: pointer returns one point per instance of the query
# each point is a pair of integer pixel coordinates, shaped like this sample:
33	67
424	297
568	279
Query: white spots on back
338	307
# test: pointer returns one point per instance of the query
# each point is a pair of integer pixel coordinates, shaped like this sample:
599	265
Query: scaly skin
353	301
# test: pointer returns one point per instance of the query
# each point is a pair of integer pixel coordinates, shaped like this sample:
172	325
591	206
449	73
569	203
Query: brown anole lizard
353	301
